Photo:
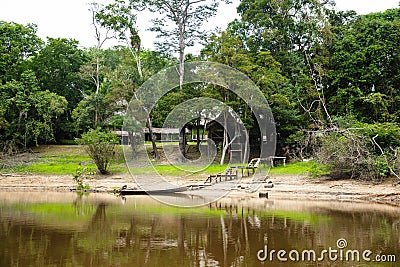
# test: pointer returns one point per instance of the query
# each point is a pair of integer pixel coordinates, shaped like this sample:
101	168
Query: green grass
180	170
65	160
300	168
56	164
51	168
65	214
62	168
171	210
311	218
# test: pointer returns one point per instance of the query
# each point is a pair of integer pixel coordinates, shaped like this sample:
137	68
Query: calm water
57	229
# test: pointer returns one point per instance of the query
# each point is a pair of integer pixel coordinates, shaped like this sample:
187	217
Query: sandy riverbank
284	187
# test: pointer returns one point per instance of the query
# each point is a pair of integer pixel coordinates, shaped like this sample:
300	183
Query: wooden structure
273	158
215	132
233	171
230	174
253	164
159	134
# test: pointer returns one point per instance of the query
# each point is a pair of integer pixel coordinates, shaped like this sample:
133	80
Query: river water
66	229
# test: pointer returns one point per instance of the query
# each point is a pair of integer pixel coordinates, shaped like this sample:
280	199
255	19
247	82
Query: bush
317	170
80	175
350	155
100	145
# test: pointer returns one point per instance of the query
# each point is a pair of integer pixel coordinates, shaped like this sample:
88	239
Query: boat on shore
127	191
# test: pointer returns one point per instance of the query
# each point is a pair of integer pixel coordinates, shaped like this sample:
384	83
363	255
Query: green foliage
382	166
57	68
364	63
18	43
29	112
262	67
318	170
308	60
90	112
311	168
100	145
387	134
275	30
79	177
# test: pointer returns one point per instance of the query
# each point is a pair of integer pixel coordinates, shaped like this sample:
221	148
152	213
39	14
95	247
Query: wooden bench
229	174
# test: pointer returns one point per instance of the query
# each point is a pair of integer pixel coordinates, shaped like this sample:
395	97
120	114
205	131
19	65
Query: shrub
100	145
80	175
350	155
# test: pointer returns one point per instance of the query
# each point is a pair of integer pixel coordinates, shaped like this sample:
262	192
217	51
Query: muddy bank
284	187
301	187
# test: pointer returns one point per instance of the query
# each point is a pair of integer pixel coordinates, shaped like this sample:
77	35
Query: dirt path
284	187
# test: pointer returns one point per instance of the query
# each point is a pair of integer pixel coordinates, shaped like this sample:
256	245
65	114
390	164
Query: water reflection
99	230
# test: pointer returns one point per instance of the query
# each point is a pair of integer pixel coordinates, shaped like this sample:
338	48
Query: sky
71	18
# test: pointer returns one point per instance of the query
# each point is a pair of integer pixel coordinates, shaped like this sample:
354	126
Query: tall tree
57	68
30	112
364	68
229	47
17	43
125	80
179	27
186	18
93	69
293	31
120	18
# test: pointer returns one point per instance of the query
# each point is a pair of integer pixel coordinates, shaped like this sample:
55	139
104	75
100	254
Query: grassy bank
66	159
310	168
61	159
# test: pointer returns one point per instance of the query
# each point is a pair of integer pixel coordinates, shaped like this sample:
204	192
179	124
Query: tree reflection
99	218
153	228
220	235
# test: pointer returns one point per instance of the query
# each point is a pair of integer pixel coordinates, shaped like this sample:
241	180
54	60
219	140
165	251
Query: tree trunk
226	143
224	147
181	69
181	237
182	141
153	142
246	147
132	143
181	53
139	64
198	133
136	56
150	127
